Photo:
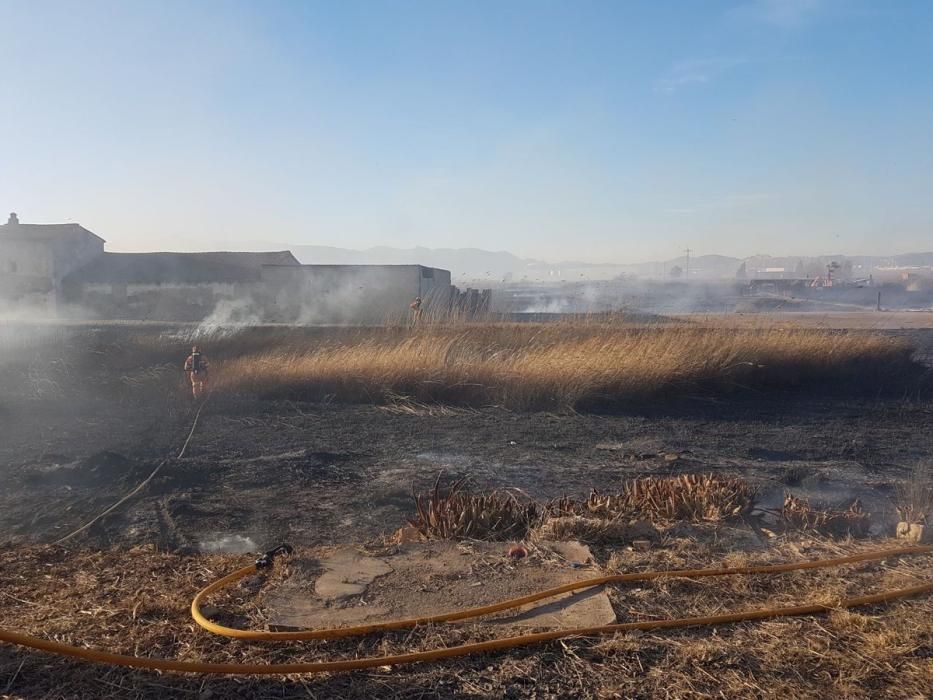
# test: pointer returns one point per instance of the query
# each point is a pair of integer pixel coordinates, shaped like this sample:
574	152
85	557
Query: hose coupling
267	559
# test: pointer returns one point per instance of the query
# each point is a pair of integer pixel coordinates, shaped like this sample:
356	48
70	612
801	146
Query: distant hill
701	266
463	263
473	265
913	260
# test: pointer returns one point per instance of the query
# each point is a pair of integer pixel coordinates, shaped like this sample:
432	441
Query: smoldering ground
260	471
73	394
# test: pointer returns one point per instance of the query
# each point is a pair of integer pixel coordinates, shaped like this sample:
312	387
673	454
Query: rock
642	530
253	583
347	573
572	551
210	612
912	532
517	551
407	534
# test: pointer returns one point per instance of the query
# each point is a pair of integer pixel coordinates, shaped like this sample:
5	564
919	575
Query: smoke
658	297
345	303
559	305
33	360
24	312
229	316
349	296
333	301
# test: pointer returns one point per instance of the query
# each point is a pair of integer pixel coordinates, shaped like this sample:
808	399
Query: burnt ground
76	435
78	432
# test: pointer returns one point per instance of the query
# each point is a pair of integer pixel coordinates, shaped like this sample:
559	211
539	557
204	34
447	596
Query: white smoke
229	313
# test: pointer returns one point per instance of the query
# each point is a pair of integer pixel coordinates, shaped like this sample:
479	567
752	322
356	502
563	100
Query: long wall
31	270
352	294
172	301
326	294
26	273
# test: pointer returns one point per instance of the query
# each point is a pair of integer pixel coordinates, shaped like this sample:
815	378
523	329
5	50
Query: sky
615	131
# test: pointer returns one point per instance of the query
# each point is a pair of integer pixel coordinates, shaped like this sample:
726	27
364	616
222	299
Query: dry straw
818	517
543	366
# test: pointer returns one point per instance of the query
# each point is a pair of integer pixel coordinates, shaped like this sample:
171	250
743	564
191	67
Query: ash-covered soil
83	421
81	425
259	472
88	411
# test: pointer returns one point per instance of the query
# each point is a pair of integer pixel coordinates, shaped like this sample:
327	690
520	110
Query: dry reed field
552	366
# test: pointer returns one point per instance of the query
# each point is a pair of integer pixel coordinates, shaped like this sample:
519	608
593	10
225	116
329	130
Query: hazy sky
615	131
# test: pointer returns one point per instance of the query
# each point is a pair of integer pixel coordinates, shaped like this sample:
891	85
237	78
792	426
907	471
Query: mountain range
476	265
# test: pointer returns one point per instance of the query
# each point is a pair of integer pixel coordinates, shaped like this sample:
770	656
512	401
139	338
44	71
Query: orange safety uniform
196	366
416	309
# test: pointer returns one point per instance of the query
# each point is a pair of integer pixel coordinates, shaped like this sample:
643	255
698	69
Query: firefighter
416	310
196	367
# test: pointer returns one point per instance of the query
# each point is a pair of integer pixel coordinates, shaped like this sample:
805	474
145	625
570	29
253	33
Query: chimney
13	220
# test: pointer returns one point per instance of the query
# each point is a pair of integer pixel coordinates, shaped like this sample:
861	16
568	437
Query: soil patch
423	579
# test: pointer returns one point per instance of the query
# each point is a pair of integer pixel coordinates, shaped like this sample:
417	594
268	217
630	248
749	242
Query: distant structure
62	269
35	259
369	294
168	286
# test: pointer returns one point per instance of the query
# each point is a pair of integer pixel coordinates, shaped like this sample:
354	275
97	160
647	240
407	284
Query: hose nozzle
267	559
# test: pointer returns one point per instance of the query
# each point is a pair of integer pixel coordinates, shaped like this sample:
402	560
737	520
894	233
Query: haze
591	131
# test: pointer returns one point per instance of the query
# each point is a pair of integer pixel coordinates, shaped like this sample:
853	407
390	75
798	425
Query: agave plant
914	497
455	514
693	497
819	517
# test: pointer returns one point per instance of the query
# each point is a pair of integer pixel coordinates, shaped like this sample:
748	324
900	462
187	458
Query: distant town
64	270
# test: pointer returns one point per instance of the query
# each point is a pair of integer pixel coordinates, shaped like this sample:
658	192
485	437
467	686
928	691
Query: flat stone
211	612
347	573
427	578
589	607
912	532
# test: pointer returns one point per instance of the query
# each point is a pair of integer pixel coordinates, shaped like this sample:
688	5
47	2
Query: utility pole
687	265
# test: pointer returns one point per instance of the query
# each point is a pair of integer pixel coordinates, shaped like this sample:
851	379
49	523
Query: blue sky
605	131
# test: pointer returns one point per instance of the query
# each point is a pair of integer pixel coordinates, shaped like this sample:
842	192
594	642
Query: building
168	286
369	294
62	269
36	258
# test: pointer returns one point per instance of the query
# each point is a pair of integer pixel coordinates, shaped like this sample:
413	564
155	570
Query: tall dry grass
543	366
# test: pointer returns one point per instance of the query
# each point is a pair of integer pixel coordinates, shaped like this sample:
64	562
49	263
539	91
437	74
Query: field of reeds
554	366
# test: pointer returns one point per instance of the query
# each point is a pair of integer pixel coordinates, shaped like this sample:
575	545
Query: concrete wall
70	255
326	294
154	302
26	274
26	258
31	271
352	294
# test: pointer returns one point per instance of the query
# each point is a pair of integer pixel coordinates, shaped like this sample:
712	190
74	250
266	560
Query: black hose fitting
267	559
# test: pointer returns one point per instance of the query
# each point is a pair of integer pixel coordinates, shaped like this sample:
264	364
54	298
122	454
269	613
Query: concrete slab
426	578
347	573
587	608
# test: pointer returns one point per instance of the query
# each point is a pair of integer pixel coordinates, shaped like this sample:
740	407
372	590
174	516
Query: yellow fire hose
477	647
